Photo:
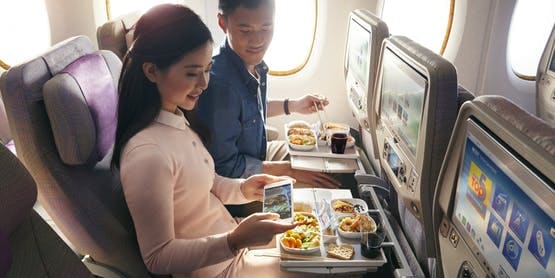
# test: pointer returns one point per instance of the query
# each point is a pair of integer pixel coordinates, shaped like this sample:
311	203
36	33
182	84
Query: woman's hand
306	104
257	229
253	187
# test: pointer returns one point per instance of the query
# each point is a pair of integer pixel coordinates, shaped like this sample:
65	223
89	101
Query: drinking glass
371	242
338	142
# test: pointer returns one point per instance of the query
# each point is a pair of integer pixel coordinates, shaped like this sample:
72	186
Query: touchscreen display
277	199
403	92
507	225
359	52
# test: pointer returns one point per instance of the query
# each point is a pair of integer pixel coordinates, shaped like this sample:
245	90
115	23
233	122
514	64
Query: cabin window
31	35
427	22
530	29
294	31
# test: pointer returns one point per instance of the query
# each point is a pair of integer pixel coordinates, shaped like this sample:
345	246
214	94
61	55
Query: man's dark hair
227	7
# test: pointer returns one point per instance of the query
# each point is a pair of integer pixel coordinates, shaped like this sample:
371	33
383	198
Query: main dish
349	206
351	226
301	138
305	237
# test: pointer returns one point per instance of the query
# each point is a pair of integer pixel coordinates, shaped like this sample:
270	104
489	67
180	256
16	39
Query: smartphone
278	198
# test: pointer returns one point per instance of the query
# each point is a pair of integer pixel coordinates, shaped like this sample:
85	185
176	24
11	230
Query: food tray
322	151
318	261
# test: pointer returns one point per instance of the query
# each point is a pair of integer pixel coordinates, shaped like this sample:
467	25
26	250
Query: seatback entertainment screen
403	93
499	215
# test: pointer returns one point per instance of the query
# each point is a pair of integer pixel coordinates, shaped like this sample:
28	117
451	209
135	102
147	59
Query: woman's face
182	83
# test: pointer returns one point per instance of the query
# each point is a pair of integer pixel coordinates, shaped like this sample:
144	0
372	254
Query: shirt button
194	143
253	121
263	83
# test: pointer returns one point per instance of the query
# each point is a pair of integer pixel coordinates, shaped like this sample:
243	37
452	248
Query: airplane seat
494	202
116	35
28	246
545	82
463	95
62	111
416	105
5	135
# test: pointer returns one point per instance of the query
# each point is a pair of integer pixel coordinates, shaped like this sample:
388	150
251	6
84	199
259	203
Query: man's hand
308	104
315	179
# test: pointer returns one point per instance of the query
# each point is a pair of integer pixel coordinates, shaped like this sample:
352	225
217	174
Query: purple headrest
81	102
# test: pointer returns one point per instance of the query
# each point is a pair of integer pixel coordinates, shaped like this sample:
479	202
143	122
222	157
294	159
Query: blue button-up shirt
233	109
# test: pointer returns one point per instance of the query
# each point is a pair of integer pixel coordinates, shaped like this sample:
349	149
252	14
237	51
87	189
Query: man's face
249	32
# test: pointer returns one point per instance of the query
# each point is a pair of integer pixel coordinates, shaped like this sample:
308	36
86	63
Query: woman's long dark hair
163	35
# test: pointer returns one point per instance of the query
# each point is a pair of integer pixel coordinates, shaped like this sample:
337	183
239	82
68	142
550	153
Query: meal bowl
302	142
305	238
331	128
350	142
347	229
298	124
349	206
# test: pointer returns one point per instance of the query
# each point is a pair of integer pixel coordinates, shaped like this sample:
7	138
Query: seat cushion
5	255
81	103
18	191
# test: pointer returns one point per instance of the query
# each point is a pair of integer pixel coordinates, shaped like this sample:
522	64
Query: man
234	107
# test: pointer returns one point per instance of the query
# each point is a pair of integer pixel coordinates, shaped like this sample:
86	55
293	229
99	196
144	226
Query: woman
175	198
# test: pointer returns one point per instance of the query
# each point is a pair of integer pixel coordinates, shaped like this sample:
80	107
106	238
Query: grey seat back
515	152
61	107
28	246
545	82
116	34
5	134
413	173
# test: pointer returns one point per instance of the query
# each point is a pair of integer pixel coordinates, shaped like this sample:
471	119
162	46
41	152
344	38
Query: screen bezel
520	173
415	72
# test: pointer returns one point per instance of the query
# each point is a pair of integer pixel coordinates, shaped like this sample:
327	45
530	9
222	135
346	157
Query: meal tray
320	259
318	262
325	165
322	151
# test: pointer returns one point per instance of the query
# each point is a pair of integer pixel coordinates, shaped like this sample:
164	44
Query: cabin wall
478	49
71	18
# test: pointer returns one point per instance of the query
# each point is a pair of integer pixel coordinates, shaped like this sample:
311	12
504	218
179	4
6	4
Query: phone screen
277	199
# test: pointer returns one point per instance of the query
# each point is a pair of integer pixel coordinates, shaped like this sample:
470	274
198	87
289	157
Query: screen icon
540	245
519	222
512	251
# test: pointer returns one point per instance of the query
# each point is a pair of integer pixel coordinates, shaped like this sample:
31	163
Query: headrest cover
81	103
18	192
533	127
63	53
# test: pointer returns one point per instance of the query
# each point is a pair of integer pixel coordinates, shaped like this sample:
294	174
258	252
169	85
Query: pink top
176	199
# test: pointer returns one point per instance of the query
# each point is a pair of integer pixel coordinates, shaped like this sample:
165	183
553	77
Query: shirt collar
261	68
176	120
